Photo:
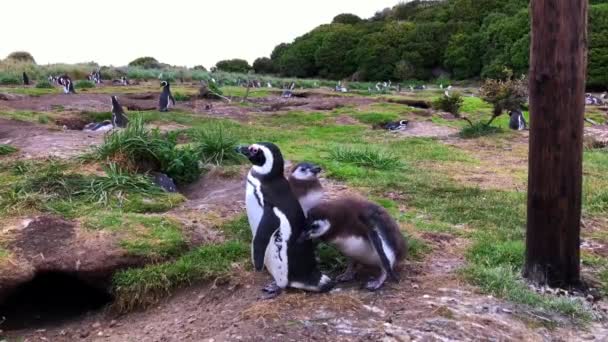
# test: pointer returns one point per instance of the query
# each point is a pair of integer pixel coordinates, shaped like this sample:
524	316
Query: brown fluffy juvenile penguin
363	231
304	183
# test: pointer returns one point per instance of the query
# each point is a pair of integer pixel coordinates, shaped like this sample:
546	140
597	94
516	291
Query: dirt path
36	141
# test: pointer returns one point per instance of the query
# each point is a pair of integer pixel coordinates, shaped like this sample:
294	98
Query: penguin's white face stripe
319	228
267	167
303	174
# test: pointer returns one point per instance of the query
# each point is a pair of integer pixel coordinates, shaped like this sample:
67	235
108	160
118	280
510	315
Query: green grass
84	84
153	237
376	118
7	149
140	288
479	129
29	91
216	145
44	84
366	157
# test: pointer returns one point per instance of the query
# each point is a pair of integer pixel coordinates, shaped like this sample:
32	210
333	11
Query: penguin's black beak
316	170
244	150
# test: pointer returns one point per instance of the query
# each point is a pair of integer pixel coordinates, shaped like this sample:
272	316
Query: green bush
233	65
9	79
43	84
450	104
84	84
366	157
146	63
21	56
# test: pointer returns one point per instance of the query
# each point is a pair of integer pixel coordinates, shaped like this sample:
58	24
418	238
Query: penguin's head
266	158
317	224
164	84
403	122
306	171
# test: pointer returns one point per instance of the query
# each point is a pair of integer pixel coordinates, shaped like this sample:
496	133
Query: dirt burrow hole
51	298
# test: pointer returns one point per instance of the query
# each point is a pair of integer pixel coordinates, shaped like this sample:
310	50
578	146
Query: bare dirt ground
37	141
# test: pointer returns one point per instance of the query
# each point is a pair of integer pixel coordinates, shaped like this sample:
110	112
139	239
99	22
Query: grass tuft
216	145
7	149
479	130
366	157
84	84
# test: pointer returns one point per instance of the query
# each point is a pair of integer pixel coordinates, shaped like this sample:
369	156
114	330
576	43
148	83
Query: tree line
459	39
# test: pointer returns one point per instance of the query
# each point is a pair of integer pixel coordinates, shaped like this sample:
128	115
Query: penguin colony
286	216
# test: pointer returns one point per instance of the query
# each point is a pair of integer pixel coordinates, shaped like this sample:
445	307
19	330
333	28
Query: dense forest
459	39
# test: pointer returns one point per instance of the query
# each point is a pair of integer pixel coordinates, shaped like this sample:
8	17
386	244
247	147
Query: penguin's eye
254	150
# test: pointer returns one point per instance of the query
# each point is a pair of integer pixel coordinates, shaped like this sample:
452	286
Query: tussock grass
117	182
7	149
366	157
216	145
479	130
44	84
84	84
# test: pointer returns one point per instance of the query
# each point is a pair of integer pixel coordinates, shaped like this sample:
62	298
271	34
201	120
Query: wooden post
557	105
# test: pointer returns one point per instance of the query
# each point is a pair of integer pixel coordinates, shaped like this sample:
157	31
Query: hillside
460	39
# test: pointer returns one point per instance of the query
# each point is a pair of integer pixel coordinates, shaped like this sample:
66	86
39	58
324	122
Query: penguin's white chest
357	248
275	258
311	200
254	201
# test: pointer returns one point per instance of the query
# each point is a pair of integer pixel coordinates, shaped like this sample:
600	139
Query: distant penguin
363	231
396	126
305	185
517	121
66	82
26	80
165	97
119	119
277	221
103	126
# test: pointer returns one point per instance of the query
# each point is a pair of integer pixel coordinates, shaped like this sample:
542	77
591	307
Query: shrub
84	84
450	104
263	65
9	79
43	84
146	63
199	67
21	56
346	18
510	94
233	65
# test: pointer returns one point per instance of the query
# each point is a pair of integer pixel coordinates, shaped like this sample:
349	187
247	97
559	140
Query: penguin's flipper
172	98
268	225
376	240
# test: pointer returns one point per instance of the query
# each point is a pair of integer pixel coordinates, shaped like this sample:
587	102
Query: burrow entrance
48	299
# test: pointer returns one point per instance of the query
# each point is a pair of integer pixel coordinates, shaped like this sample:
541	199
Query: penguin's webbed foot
271	290
377	283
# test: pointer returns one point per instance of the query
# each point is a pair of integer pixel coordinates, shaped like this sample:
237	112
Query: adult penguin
165	97
26	80
277	221
119	119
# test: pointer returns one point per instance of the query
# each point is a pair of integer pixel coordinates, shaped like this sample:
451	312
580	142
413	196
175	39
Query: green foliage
44	84
84	84
479	129
136	288
510	94
9	79
233	65
7	149
346	18
216	145
139	149
146	63
263	65
366	157
117	181
451	104
21	56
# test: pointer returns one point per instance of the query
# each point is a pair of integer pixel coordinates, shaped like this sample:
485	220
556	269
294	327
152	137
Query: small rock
96	325
415	286
426	296
191	320
61	333
113	323
588	337
100	333
84	334
40	331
